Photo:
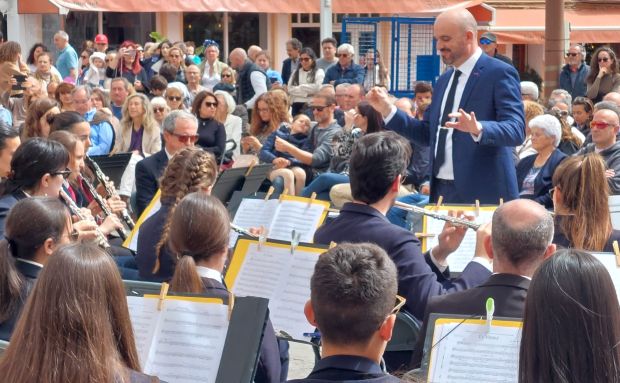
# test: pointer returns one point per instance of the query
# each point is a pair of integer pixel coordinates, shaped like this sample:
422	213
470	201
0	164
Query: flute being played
454	220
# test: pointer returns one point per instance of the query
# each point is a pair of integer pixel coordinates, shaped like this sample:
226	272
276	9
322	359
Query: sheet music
253	213
609	261
470	354
464	254
300	216
183	343
284	279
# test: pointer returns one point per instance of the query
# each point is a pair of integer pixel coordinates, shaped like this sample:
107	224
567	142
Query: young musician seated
34	228
353	295
75	326
191	169
198	235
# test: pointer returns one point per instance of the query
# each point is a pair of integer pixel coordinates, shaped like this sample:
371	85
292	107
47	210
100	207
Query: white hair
529	88
63	35
549	125
230	101
346	48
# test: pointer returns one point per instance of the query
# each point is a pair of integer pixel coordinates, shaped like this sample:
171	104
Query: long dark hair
75	326
65	121
30	59
312	72
594	67
375	120
32	160
199	230
571	327
29	224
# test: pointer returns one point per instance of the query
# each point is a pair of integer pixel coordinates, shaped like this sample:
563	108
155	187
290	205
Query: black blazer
148	172
29	274
508	291
418	279
148	237
6	203
286	70
347	368
269	366
543	181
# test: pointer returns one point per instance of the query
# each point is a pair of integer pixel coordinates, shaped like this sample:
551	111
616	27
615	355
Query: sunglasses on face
485	41
158	109
174	98
210	104
318	108
186	138
305	59
569	54
64	173
600	125
226	75
603	59
345	55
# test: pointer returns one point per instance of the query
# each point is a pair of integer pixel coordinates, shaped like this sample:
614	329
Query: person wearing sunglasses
180	130
211	132
573	74
353	304
305	82
175	97
604	76
488	43
35	227
604	127
160	110
345	70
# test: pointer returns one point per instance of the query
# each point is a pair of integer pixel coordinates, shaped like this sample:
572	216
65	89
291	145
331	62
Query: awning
527	26
271	6
35	7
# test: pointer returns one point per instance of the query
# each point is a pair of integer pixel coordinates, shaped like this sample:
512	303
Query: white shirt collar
468	66
168	153
28	261
206	272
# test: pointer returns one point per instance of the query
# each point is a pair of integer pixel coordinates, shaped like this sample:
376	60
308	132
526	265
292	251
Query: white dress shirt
206	272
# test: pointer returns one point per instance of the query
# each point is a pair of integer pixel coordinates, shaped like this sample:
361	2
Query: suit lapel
471	81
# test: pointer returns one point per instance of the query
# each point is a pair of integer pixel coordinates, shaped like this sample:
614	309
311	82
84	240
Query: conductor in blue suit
475	119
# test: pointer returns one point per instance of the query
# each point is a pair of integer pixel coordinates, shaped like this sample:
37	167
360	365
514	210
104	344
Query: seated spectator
227	83
529	91
580	199
211	68
34	228
305	82
127	65
532	109
263	60
175	97
37	119
211	132
583	111
286	166
267	117
604	76
160	109
317	152
534	173
139	130
233	124
9	142
345	70
102	134
519	241
100	99
201	261
571	293
158	85
63	96
382	157
192	74
191	169
572	139
604	130
353	294
363	120
75	326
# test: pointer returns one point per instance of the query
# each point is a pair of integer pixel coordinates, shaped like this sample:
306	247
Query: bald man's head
405	105
237	58
613	97
522	232
456	34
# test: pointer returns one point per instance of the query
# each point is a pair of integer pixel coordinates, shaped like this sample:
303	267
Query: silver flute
109	188
102	241
241	230
454	220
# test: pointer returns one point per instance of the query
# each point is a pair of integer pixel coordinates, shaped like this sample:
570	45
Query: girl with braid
190	170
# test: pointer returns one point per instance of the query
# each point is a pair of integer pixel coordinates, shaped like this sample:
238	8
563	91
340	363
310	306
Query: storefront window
242	28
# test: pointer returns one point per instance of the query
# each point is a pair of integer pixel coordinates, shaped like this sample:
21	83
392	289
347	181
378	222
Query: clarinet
454	220
102	241
104	208
109	188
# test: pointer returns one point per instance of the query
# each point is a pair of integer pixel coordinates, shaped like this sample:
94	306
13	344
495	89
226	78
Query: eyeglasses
158	109
345	55
572	54
601	125
400	302
305	59
186	138
174	98
486	41
210	104
226	75
552	191
603	59
74	235
64	173
318	108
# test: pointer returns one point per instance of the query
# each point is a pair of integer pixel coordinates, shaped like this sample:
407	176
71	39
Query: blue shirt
67	60
6	116
101	138
117	111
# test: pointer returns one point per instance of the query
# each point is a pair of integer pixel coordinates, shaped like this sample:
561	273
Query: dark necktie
440	157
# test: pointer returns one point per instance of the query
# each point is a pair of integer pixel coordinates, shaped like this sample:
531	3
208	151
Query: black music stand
113	166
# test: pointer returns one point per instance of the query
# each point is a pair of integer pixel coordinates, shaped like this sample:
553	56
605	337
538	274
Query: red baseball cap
101	39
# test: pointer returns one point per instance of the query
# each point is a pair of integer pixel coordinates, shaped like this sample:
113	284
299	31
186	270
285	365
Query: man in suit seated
180	131
353	303
377	166
520	241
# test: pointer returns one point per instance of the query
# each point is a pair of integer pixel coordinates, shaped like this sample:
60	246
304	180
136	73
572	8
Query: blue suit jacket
148	172
150	233
542	182
418	278
482	170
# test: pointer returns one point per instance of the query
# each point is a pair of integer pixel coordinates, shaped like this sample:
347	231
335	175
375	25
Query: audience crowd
331	131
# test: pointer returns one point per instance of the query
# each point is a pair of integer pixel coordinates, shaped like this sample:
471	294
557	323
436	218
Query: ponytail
186	278
10	282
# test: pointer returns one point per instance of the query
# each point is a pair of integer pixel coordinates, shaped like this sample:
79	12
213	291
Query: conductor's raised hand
379	99
465	122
